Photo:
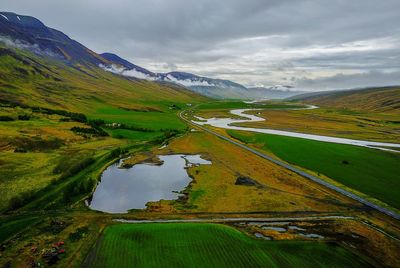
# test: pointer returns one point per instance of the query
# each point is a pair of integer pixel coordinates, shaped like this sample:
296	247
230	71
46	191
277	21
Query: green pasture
373	172
208	245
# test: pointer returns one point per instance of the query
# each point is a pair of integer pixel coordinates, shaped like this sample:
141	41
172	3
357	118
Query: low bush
74	169
24	117
6	118
98	132
35	144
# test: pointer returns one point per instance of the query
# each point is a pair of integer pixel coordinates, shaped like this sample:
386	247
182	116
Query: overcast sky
308	44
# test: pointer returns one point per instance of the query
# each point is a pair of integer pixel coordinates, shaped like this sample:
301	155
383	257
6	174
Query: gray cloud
368	79
251	42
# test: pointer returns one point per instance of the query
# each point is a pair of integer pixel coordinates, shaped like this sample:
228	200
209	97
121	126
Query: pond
123	189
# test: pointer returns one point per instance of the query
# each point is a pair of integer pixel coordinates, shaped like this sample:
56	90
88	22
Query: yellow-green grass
152	120
14	225
332	122
214	190
133	134
38	81
32	81
208	245
372	172
51	151
384	99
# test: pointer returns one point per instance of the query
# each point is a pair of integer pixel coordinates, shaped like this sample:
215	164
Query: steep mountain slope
28	32
126	64
41	66
46	82
385	99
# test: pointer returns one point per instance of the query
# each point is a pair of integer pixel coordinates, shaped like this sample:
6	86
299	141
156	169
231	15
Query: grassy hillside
369	171
386	99
58	120
35	81
208	245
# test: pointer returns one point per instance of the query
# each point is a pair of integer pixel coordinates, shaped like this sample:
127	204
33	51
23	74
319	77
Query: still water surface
123	189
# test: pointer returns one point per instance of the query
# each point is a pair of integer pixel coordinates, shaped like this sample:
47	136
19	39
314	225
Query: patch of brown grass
213	187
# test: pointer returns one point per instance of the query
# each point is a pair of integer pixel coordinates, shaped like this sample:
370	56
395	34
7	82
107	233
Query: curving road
298	171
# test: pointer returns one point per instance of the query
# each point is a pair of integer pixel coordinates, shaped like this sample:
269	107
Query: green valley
104	163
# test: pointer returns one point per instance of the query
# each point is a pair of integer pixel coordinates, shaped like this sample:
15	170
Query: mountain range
29	33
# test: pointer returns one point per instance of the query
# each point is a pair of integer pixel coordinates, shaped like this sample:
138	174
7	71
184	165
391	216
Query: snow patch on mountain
126	72
187	82
4	16
24	45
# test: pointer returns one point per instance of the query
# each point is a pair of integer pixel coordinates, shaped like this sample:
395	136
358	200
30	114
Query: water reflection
124	189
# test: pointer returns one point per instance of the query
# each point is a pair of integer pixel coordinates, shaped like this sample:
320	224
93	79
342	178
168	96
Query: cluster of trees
21	200
97	132
94	130
167	134
78	188
6	118
130	127
117	152
78	117
20	117
74	169
23	144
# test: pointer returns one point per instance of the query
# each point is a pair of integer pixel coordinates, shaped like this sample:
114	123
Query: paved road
300	172
237	219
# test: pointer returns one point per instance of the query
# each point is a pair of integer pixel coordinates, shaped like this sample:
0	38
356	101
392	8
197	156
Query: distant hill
383	99
210	87
274	92
126	64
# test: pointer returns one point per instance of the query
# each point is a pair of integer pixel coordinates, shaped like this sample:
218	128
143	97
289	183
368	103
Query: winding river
227	123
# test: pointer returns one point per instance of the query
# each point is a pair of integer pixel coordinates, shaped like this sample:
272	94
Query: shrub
23	144
6	118
117	152
24	117
75	169
21	200
93	131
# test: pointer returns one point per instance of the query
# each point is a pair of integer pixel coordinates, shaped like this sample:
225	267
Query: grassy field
55	139
208	245
47	110
384	99
13	225
61	125
373	172
333	122
154	120
214	190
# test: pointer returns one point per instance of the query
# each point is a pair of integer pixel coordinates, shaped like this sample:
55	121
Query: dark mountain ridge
29	31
